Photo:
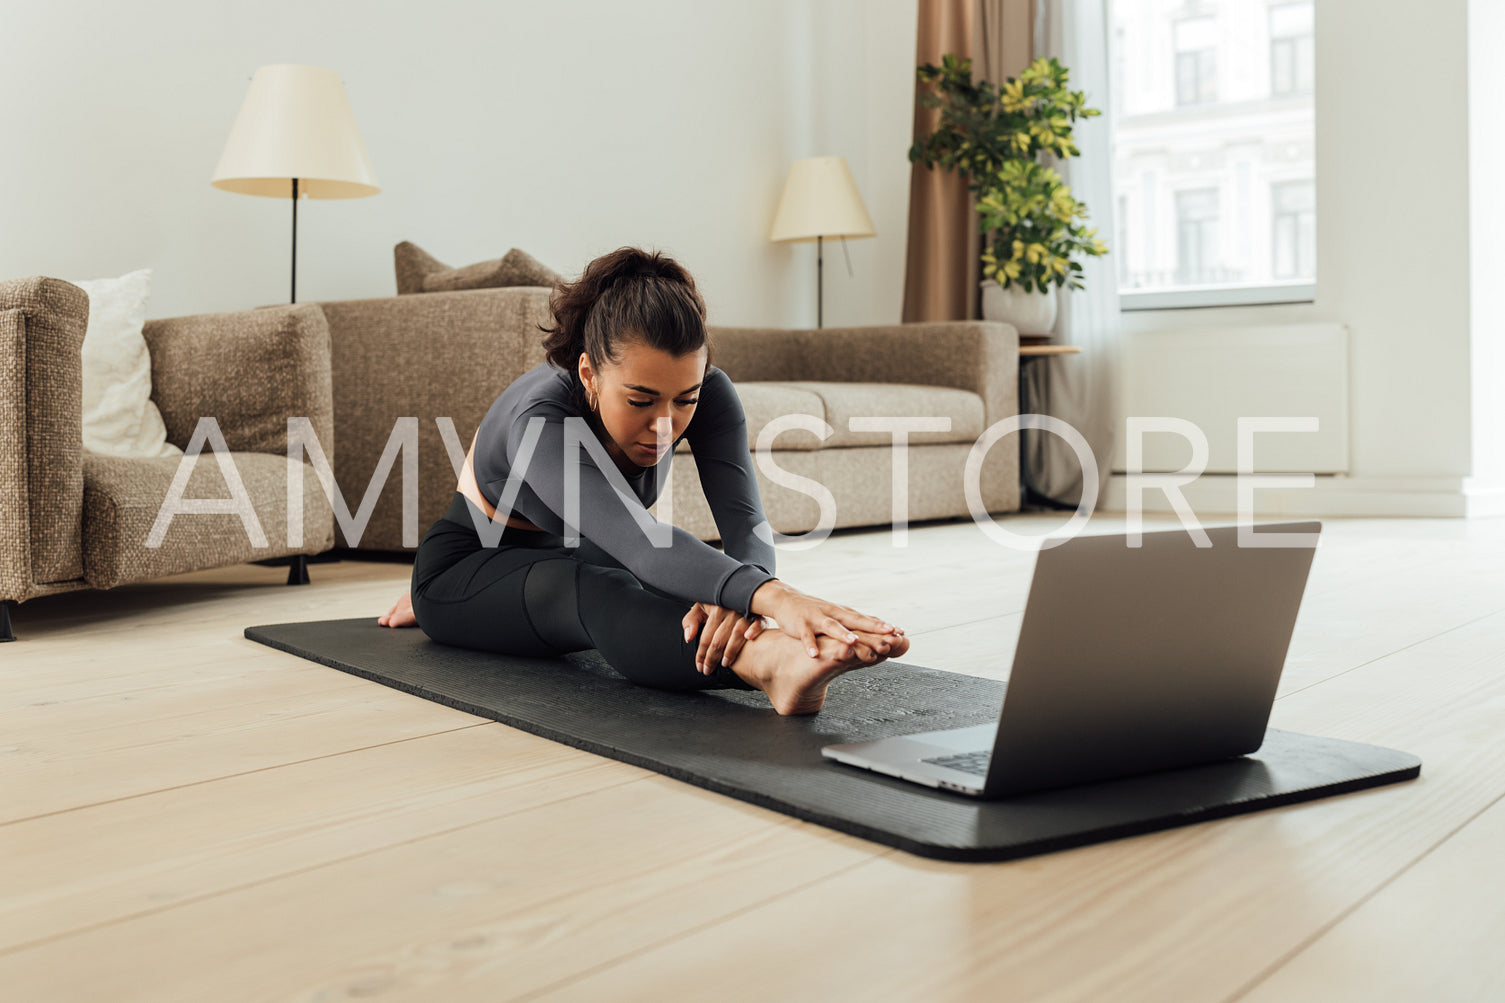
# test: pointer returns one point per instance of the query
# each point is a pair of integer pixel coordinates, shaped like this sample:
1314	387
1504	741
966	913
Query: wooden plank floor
186	815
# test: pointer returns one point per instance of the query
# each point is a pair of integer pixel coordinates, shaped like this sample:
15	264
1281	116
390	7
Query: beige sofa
449	354
75	520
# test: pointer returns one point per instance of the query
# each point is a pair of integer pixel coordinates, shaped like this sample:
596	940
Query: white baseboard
1484	501
1334	496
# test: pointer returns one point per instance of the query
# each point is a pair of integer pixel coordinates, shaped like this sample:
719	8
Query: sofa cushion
122	496
835	403
763	402
120	418
860	480
420	272
251	370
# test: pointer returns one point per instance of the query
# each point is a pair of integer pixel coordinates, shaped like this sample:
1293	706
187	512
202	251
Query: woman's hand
722	638
401	614
803	617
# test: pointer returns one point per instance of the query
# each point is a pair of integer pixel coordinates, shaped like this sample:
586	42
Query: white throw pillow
119	416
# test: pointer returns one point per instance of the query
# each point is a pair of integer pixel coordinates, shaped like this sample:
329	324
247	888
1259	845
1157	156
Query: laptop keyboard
975	763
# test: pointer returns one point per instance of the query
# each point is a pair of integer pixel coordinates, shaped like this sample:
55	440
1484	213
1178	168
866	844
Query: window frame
1268	292
1201	297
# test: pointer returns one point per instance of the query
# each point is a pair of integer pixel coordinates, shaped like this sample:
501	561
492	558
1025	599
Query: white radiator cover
1213	376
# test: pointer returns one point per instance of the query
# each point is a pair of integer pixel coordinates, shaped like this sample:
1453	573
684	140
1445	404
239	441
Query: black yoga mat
731	742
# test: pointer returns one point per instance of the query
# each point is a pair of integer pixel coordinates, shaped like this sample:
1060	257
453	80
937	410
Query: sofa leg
297	571
6	634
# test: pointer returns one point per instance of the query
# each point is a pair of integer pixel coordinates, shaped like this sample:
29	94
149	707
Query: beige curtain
942	270
1081	390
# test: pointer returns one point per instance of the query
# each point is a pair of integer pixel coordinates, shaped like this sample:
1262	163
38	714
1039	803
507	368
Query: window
1291	60
1213	118
1295	236
1196	237
1196	61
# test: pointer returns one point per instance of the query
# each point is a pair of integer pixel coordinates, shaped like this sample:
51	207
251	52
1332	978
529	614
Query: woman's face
645	394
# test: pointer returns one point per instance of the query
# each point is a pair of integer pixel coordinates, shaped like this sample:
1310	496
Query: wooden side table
1028	353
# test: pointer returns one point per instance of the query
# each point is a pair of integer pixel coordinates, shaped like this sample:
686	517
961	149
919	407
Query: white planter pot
1030	313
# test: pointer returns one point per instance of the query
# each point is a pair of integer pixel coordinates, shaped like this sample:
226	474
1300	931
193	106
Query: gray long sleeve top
614	521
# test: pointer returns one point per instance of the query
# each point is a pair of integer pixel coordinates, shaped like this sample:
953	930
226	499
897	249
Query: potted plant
1028	218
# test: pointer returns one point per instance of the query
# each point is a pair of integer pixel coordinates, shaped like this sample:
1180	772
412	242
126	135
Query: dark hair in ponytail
627	295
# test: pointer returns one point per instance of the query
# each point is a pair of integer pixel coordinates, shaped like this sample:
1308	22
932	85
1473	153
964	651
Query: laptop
1130	660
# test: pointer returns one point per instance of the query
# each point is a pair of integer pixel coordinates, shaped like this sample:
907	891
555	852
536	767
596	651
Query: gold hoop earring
592	400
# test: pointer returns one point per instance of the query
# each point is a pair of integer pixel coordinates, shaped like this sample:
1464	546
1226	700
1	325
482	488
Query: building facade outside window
1196	60
1213	116
1196	237
1295	234
1291	59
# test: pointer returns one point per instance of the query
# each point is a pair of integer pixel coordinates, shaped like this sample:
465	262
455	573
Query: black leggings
531	595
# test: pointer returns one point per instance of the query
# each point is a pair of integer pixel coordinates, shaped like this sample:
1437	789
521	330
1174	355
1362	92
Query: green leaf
993	150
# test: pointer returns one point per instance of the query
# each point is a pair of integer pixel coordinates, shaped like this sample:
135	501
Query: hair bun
610	298
632	263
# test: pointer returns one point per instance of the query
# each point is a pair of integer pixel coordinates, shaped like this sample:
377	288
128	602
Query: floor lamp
820	200
295	138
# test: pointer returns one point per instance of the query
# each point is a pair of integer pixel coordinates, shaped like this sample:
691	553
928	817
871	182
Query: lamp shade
820	200
296	123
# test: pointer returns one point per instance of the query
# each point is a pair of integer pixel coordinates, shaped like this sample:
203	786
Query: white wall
564	128
1486	188
1393	238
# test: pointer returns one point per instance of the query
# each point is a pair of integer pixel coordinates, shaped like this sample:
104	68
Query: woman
628	369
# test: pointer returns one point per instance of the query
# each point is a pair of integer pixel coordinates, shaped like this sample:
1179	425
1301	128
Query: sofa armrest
980	356
250	370
42	325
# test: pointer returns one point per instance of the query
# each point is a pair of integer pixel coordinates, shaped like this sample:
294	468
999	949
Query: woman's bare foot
794	682
401	614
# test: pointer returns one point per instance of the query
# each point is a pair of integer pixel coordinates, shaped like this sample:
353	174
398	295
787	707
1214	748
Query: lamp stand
820	282
295	240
